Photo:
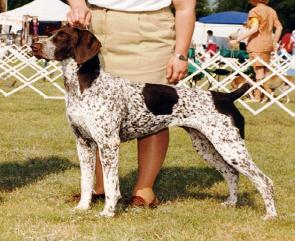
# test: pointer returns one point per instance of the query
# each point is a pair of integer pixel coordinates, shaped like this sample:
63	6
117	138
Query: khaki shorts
265	56
135	45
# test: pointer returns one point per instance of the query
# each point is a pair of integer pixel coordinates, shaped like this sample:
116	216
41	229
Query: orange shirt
262	41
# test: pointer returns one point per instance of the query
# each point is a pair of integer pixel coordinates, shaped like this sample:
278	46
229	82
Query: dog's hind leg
208	152
86	152
228	142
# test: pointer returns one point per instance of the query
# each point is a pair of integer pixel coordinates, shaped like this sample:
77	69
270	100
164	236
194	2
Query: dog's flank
105	110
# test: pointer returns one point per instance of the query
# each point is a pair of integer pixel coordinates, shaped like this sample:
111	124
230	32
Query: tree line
284	8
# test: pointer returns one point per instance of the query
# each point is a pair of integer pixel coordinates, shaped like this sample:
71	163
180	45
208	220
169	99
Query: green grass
39	173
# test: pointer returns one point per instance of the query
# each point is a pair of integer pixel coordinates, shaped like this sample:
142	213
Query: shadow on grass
177	183
17	174
173	182
185	182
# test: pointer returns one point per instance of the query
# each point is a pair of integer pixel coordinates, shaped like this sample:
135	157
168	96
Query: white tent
45	10
221	32
222	24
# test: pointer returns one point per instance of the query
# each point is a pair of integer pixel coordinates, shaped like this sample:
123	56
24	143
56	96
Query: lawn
39	173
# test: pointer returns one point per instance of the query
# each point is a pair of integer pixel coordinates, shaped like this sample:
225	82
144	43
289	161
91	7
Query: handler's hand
79	16
233	43
176	70
275	47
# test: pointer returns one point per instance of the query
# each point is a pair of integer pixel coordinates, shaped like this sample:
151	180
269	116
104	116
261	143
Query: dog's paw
269	217
230	202
82	207
106	214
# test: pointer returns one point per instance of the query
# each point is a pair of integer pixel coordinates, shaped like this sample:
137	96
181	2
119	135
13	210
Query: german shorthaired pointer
104	110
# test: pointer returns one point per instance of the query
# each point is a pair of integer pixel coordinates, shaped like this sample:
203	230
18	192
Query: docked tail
239	92
231	97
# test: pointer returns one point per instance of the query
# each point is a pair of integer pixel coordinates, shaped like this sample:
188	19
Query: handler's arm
278	32
253	29
79	15
185	18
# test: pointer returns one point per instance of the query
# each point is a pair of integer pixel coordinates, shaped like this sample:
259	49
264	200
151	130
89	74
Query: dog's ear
87	46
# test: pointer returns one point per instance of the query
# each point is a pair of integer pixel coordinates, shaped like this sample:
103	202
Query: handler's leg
151	155
98	174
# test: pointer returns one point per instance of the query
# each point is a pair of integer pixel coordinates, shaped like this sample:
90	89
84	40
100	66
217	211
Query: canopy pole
35	24
3	6
25	30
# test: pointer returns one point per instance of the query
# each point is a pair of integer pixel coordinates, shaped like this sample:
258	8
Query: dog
271	85
104	110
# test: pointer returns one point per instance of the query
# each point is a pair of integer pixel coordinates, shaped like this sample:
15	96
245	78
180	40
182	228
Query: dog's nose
36	47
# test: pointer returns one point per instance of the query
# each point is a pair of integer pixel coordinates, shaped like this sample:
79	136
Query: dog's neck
84	73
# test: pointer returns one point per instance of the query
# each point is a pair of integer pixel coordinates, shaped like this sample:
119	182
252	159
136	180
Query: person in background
291	44
211	45
210	38
262	19
231	44
285	46
241	31
144	42
291	70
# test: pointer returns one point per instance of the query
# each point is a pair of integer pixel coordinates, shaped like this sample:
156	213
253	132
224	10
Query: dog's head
66	43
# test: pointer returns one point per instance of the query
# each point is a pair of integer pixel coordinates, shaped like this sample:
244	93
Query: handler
144	42
262	19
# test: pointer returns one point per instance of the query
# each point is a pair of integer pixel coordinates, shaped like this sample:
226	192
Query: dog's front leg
109	157
86	152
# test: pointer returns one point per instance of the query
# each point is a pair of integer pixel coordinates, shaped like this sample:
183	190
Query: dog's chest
77	103
78	118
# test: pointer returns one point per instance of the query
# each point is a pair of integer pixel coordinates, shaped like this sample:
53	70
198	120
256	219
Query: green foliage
232	5
12	4
286	12
203	8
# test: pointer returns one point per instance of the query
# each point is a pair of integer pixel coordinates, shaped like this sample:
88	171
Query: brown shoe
137	201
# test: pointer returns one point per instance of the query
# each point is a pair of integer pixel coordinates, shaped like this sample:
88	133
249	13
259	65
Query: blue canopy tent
230	17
